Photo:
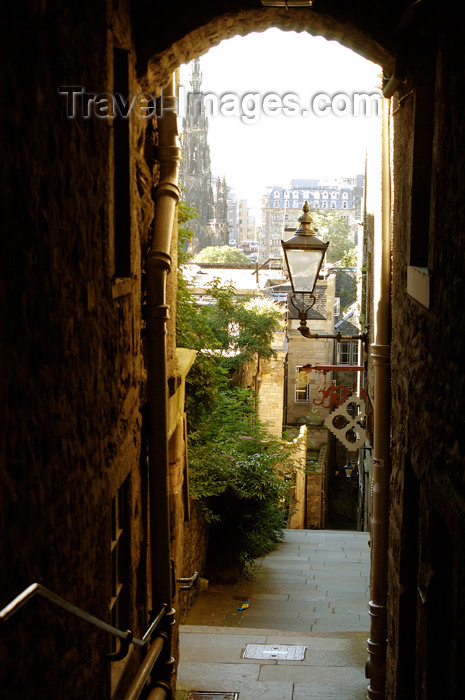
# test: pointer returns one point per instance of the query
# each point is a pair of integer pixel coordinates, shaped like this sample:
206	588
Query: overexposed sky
256	150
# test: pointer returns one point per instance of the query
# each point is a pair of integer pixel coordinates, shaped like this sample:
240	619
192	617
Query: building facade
281	207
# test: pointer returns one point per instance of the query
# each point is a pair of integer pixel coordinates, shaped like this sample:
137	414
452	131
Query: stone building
281	206
195	173
221	232
303	387
246	222
82	196
208	195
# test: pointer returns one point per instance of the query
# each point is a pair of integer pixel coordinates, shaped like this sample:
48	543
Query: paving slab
317	691
242	678
324	608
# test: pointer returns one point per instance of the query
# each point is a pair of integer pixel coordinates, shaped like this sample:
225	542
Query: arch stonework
157	59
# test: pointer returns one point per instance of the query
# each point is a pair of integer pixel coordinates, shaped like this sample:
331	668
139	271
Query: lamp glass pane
304	266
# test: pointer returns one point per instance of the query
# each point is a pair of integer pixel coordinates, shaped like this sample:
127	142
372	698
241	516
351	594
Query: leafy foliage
226	334
350	259
230	328
220	254
238	472
333	228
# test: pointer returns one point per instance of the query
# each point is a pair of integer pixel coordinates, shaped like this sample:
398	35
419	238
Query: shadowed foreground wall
72	372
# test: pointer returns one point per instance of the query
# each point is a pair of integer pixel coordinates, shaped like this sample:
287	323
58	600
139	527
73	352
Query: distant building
282	206
207	195
232	217
245	221
220	228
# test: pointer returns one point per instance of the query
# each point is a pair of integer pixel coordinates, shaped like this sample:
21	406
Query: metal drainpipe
377	643
158	265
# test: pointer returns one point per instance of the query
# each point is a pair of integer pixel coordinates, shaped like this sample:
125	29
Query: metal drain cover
206	695
283	652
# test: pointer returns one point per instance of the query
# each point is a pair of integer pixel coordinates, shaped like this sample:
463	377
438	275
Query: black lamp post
304	254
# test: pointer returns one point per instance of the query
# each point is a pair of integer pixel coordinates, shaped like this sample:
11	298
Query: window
276	203
295	195
344	205
121	169
419	262
333	205
119	558
276	194
347	352
302	388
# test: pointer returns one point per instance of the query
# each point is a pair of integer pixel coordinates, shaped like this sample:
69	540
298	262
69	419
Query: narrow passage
313	591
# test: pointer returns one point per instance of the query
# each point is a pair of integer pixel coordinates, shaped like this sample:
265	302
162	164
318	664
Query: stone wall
426	564
270	386
73	379
167	37
314	517
298	491
304	351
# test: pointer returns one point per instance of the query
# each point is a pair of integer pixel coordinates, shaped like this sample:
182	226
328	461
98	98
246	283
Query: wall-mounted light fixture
304	253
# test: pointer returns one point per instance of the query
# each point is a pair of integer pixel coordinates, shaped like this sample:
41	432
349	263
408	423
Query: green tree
238	472
239	476
226	334
223	254
350	259
333	228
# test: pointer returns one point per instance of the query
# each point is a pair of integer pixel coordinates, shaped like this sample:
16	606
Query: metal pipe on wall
139	682
377	643
158	265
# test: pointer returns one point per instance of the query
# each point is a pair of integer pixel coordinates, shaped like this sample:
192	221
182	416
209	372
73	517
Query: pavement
312	591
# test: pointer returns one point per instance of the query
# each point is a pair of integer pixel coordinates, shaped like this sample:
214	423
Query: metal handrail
190	581
126	637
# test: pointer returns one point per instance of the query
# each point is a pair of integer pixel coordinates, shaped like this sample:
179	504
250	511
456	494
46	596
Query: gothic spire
196	76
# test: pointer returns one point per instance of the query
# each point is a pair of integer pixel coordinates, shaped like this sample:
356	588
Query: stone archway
165	40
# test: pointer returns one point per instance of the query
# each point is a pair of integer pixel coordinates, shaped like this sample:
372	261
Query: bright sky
278	147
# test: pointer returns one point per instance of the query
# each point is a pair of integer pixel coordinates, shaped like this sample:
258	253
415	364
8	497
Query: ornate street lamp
304	254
